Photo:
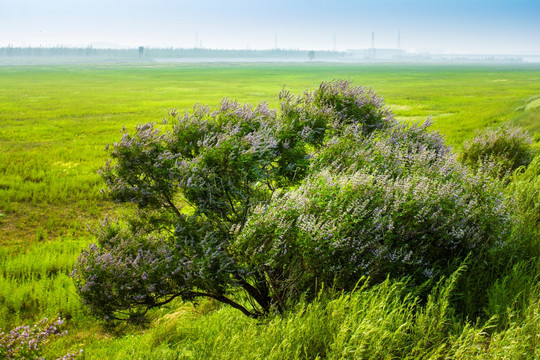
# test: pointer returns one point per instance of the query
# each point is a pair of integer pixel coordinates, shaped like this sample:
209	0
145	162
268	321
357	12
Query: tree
271	204
311	55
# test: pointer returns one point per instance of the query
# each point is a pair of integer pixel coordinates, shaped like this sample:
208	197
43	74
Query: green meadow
57	120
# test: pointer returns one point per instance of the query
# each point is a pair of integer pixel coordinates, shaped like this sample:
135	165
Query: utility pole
372	52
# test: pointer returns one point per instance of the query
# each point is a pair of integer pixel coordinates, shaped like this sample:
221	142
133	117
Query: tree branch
172	206
227	301
262	300
276	291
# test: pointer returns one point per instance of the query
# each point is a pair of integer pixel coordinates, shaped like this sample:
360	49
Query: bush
498	152
397	209
248	200
128	270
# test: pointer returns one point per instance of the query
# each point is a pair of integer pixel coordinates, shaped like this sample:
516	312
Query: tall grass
382	322
37	282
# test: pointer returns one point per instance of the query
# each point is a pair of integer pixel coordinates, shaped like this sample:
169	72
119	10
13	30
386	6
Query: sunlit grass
37	281
57	120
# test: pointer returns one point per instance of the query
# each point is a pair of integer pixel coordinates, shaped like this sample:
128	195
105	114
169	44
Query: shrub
498	152
339	226
129	269
248	200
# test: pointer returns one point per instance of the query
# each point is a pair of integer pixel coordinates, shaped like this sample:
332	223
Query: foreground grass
383	322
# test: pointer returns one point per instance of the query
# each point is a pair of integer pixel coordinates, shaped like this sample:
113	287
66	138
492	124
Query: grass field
56	121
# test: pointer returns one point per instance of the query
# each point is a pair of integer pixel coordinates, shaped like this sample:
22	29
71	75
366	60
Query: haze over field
459	26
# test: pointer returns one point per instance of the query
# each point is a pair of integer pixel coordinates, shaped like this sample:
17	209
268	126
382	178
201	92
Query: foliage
509	296
273	204
27	342
498	152
334	229
134	265
396	203
511	270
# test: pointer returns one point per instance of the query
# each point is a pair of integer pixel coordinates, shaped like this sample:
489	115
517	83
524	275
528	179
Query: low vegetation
28	342
498	152
379	322
362	234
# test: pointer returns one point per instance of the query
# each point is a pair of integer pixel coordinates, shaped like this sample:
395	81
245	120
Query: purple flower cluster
352	105
27	342
128	269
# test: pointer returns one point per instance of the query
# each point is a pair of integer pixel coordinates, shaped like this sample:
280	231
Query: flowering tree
270	204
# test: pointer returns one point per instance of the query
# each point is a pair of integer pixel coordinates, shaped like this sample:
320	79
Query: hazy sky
458	26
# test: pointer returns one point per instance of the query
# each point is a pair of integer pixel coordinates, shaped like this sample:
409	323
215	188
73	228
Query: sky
450	26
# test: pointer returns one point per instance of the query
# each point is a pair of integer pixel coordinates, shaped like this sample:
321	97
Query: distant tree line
61	51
